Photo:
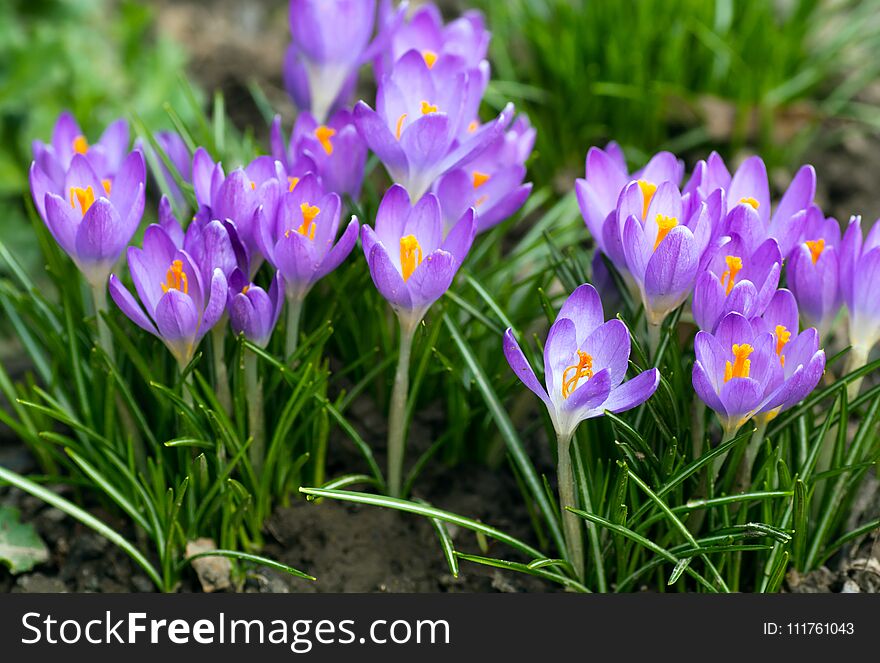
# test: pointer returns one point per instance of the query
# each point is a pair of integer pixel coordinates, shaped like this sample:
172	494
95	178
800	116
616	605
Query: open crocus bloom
736	280
743	370
606	176
859	274
300	239
237	196
466	37
662	249
336	151
105	157
419	113
749	186
492	183
585	361
813	271
253	311
179	310
410	262
92	219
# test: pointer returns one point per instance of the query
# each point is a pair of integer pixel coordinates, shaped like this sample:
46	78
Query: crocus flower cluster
718	241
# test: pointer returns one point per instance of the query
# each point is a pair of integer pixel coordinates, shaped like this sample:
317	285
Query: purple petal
128	305
633	392
584	308
387	279
522	368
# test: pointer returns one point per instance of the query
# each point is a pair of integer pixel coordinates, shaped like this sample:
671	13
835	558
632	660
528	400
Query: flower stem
294	312
571	523
254	390
744	472
857	358
224	395
397	415
654	340
99	295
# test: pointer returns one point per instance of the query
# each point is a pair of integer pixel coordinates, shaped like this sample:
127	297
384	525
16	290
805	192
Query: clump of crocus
105	156
336	151
662	248
736	279
420	111
412	265
465	37
176	306
300	240
745	370
813	271
585	362
859	271
492	183
330	42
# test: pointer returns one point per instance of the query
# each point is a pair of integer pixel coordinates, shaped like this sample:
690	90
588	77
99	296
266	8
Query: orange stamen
430	58
734	264
292	182
324	134
783	336
574	373
664	225
400	125
428	108
107	184
473	126
80	144
648	191
85	198
175	278
816	247
309	213
750	201
410	255
741	362
480	179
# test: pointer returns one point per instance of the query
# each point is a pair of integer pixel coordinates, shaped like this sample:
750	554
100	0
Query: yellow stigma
80	144
253	186
473	126
750	201
741	363
410	255
816	247
309	213
576	372
291	183
480	179
783	336
734	264
85	198
245	289
648	191
107	184
430	58
428	108
664	225
400	125
324	134
175	278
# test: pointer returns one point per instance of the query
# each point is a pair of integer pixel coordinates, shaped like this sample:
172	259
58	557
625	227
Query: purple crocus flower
465	37
749	185
662	252
178	154
410	262
300	239
238	195
331	40
734	279
606	176
335	151
743	370
253	311
92	219
859	274
180	310
585	361
492	183
105	157
419	114
813	270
